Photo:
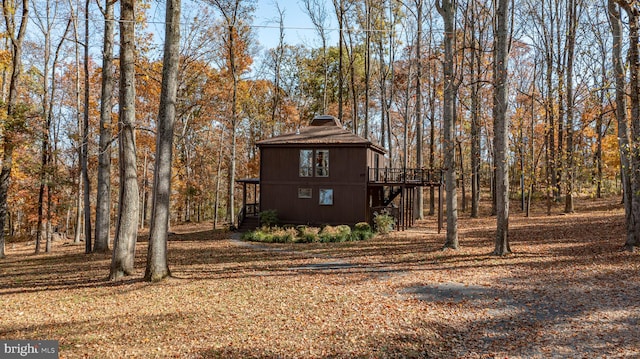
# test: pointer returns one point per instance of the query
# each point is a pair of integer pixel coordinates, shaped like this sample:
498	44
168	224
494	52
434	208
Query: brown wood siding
280	180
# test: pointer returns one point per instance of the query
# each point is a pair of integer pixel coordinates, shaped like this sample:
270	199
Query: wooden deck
405	176
402	183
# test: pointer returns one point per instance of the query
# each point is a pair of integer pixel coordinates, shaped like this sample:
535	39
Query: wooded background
534	100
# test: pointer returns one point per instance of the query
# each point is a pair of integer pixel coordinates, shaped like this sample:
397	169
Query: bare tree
16	30
103	199
318	15
633	223
84	158
340	14
621	114
124	245
157	266
45	21
278	55
573	7
235	14
501	127
418	93
447	10
77	236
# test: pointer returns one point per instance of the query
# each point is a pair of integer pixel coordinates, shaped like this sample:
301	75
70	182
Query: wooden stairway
249	223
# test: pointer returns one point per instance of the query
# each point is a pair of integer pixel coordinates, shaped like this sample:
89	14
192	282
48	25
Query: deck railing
415	176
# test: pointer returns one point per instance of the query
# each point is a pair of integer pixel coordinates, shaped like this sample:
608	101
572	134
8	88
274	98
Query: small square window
326	197
304	193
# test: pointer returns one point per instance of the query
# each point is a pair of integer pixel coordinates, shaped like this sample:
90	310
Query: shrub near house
307	234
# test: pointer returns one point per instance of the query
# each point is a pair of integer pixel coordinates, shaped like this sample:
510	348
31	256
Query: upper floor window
314	163
306	163
322	163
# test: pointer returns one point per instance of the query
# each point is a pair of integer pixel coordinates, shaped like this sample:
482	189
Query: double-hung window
322	163
314	163
306	163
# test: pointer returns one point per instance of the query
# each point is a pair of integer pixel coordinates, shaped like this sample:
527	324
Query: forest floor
568	291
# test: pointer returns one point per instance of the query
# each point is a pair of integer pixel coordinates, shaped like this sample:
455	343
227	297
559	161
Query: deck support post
439	208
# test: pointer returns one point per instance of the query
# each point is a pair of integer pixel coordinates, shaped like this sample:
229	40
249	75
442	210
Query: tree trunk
418	94
14	118
367	65
218	177
633	229
124	246
501	129
77	236
103	198
571	44
41	226
339	6
318	15
85	139
475	63
231	214
446	8
621	115
157	266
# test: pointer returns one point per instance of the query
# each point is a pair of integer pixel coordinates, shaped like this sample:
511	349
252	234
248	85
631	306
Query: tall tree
631	8
103	199
84	158
418	94
318	15
45	20
157	266
447	9
621	113
77	236
572	24
475	68
124	245
236	14
340	14
501	127
16	30
278	58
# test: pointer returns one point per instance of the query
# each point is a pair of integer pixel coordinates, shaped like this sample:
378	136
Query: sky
298	27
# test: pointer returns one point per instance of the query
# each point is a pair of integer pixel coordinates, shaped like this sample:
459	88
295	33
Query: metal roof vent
325	120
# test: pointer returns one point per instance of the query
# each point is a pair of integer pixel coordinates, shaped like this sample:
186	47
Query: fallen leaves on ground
567	291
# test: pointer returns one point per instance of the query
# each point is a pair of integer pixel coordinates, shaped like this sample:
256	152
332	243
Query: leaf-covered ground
568	291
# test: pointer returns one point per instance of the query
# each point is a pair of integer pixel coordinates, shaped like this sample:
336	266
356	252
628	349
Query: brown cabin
324	174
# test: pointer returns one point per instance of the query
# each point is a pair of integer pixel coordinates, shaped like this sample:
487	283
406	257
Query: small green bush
283	235
361	232
362	226
384	222
306	234
269	218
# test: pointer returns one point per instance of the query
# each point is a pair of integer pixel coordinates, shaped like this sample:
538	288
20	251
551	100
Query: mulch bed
568	291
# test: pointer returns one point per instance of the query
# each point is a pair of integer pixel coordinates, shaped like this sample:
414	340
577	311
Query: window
314	163
304	193
306	163
326	197
322	163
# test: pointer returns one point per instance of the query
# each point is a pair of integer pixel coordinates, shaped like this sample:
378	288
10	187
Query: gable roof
323	130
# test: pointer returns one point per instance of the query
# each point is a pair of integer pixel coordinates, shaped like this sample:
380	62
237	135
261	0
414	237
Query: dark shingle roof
322	130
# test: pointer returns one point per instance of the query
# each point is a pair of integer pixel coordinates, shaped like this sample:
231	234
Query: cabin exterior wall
297	199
